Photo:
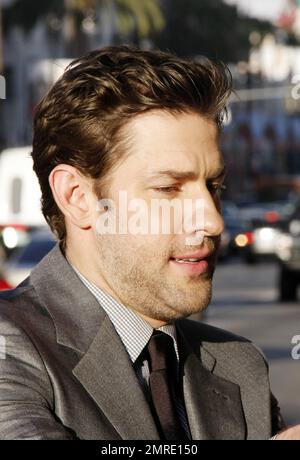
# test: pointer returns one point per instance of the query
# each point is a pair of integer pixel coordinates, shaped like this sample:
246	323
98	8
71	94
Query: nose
207	217
213	220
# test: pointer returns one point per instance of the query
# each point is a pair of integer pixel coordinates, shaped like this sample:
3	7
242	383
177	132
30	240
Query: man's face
172	157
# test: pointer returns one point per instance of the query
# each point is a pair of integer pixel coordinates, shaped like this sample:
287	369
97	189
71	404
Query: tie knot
161	351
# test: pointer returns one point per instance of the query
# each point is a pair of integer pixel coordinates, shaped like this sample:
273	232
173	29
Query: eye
170	189
215	187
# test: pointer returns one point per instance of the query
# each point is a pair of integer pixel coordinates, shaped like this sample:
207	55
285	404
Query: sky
263	9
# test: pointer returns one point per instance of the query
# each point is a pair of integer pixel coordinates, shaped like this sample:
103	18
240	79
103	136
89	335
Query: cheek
149	250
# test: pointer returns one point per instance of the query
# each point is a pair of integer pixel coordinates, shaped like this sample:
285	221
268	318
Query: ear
72	193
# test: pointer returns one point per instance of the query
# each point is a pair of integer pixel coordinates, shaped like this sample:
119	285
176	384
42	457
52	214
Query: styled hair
82	119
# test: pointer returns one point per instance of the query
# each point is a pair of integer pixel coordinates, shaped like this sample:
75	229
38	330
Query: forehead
184	141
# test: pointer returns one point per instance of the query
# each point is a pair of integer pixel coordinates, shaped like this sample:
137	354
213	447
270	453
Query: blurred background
256	287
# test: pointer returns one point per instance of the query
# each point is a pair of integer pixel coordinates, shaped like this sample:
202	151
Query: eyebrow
220	173
184	175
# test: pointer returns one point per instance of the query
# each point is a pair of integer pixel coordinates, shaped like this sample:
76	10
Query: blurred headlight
14	236
265	234
241	240
10	237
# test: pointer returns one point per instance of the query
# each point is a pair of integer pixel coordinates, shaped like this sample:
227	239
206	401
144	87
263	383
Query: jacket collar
74	309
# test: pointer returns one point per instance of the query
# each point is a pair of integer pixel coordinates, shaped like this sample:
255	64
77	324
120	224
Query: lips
199	255
195	263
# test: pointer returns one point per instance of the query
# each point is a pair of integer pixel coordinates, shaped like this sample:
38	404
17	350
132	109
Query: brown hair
80	121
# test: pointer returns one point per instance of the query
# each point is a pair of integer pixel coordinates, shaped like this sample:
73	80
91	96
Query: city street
245	302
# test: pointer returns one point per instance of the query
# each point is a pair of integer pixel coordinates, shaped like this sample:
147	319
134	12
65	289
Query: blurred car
263	243
233	238
23	260
288	253
19	199
265	221
12	237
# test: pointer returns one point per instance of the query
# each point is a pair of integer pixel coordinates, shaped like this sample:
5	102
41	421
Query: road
245	302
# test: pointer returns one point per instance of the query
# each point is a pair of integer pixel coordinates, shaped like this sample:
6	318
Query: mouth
194	264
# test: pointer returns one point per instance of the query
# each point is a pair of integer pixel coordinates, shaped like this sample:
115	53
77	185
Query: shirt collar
133	330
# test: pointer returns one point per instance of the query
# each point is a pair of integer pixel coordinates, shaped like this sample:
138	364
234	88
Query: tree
207	27
138	17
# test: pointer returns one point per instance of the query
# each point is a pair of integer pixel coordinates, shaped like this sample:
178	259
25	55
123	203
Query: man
82	360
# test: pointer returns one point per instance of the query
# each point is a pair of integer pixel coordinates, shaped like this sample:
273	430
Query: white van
19	195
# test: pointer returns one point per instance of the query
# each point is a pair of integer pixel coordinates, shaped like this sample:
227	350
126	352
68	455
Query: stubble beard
153	294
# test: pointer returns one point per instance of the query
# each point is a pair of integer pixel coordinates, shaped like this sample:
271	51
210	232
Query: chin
191	309
200	303
197	309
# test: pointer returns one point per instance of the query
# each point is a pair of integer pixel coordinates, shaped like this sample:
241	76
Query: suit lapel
107	374
213	404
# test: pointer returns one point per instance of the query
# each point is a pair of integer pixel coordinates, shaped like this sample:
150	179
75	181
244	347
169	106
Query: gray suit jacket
65	374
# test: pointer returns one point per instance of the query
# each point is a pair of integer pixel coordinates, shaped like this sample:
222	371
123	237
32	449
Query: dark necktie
163	383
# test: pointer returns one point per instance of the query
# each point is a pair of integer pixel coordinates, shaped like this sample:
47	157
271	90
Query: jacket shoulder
224	345
22	306
208	333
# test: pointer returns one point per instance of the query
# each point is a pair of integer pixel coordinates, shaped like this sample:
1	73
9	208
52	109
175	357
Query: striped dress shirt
135	334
